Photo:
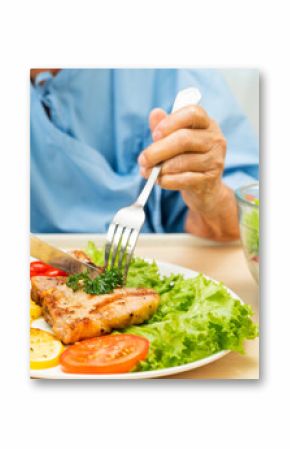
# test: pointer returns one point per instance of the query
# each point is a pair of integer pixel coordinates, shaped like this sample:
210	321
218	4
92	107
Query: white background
244	83
161	413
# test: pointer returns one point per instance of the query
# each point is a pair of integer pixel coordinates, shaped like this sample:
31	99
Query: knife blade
59	259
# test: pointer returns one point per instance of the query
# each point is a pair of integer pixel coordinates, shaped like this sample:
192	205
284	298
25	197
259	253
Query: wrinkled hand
191	148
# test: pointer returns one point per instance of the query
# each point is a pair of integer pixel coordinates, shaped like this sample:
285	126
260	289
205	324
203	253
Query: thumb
155	117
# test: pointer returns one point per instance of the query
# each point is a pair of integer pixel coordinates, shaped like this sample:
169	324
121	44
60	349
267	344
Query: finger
190	162
155	117
195	162
192	117
181	141
181	181
145	172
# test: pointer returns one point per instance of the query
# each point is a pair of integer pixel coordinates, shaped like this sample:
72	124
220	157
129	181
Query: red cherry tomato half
38	268
54	272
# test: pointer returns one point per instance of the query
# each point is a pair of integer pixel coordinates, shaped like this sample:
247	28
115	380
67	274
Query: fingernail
156	135
142	159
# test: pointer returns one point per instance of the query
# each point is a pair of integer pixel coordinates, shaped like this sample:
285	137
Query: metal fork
125	228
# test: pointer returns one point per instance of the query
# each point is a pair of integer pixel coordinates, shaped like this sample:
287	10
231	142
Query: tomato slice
105	355
38	268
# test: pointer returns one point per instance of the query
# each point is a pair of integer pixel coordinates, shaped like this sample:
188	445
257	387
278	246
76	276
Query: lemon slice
35	310
45	349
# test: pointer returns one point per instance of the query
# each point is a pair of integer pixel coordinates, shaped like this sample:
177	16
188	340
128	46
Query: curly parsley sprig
106	282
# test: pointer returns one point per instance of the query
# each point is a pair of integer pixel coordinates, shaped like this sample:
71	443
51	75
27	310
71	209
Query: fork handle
184	98
143	197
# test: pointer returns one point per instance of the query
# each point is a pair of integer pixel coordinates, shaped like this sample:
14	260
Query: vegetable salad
195	319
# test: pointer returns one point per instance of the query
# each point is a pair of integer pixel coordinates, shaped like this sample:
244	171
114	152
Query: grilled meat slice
82	257
40	284
75	316
49	282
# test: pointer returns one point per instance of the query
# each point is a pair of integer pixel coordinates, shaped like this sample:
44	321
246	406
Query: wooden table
225	263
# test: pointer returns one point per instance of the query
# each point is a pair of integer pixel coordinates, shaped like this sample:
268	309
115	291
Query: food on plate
105	282
45	349
76	315
106	355
179	320
83	257
43	283
35	310
38	268
196	317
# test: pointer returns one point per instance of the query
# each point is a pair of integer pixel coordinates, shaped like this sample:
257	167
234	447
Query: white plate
56	372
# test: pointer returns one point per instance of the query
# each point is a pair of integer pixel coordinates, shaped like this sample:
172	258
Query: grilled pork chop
77	315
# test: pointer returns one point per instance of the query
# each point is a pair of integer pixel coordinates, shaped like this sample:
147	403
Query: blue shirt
88	127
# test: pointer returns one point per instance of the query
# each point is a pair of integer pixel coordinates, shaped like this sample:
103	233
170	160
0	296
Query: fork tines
119	248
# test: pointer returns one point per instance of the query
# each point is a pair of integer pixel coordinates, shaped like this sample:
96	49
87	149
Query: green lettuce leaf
195	319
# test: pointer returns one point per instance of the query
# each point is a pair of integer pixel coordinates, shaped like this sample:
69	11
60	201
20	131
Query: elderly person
95	131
